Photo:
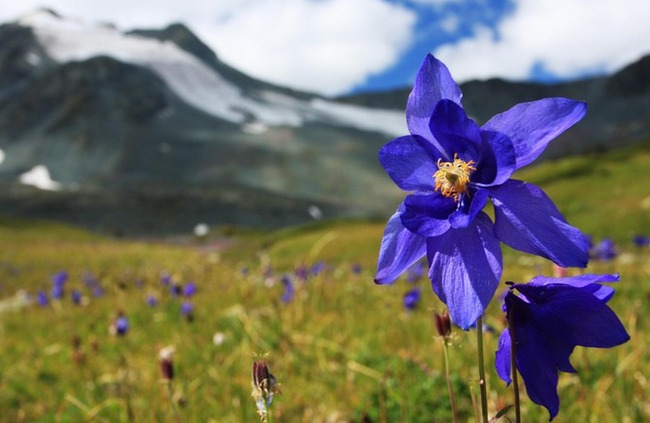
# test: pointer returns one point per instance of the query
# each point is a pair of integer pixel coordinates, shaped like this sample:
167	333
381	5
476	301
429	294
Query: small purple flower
452	166
60	278
176	290
605	250
287	294
187	310
76	296
318	268
412	298
58	285
152	301
356	268
189	289
41	299
165	278
302	273
58	292
550	317
98	291
641	241
121	325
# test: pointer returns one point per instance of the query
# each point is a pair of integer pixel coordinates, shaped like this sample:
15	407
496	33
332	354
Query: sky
336	47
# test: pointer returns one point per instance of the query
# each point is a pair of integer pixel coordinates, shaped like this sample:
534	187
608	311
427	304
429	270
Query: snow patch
391	122
39	177
198	84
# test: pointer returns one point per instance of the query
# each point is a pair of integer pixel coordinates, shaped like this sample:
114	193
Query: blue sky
341	46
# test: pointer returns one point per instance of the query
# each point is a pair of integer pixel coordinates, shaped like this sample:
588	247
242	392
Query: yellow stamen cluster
452	177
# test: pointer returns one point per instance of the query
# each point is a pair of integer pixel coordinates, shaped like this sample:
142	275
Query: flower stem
450	388
481	369
513	365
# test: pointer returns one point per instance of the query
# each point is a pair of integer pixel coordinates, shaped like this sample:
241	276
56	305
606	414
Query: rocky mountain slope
148	132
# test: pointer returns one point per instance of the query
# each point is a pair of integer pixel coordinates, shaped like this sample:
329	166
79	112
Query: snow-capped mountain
155	114
147	131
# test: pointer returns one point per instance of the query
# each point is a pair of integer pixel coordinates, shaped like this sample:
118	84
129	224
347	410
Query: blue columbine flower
453	166
550	317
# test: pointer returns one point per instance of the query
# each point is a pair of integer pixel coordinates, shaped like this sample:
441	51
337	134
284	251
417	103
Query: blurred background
150	118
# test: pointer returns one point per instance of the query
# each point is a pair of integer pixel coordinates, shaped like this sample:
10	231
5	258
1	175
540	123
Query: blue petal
468	209
399	249
408	164
527	220
502	357
602	292
432	84
531	126
535	359
456	133
571	316
465	268
496	161
427	215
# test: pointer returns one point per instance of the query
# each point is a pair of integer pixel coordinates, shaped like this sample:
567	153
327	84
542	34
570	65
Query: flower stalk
481	369
443	328
265	388
513	358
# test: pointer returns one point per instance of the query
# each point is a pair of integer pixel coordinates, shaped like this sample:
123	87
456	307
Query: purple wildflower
412	298
453	167
287	295
302	273
356	268
318	268
41	299
641	241
165	278
605	250
187	310
76	296
189	289
60	278
58	285
152	301
120	326
550	317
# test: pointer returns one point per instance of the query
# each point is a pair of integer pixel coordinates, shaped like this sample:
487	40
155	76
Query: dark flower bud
264	387
443	324
166	362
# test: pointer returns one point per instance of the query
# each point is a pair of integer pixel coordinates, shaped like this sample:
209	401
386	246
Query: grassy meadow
343	349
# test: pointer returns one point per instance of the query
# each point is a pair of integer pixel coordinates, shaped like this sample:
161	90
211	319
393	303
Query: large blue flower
549	318
452	166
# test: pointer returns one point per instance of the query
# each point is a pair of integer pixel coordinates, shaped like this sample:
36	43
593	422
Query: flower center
452	177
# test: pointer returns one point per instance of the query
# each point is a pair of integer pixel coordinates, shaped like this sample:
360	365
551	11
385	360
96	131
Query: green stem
513	365
481	369
450	388
174	406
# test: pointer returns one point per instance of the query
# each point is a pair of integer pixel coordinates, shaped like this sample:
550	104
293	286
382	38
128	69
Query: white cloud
568	37
326	46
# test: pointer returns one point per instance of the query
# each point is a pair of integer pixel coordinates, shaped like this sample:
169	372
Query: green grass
343	350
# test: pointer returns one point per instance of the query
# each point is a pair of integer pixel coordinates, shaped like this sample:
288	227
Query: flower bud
443	324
